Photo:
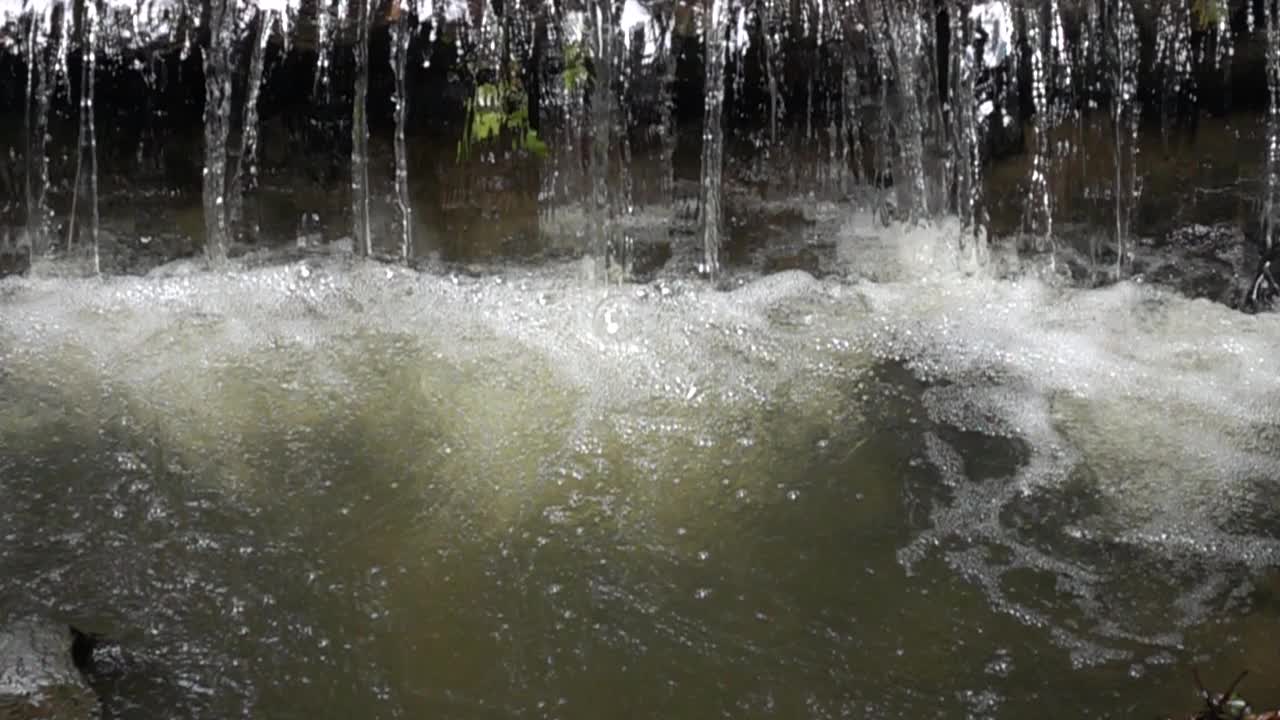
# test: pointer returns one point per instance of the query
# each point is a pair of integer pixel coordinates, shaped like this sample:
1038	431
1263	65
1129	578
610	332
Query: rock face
1216	262
38	673
1201	261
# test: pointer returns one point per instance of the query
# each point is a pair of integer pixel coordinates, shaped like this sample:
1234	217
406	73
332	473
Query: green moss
495	108
575	67
1208	13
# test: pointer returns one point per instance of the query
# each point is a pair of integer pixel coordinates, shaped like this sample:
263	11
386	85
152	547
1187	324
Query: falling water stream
217	118
712	214
400	39
925	475
87	155
361	229
244	178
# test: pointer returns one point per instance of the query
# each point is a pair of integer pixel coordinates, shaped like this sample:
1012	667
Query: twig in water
1220	706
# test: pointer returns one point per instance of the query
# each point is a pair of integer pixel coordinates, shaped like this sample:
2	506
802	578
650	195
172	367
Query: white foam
1168	407
1137	376
506	373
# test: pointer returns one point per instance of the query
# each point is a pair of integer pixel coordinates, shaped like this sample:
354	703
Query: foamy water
671	404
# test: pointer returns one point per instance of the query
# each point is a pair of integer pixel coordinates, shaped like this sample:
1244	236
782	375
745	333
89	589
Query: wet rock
15	261
39	676
647	258
817	260
1215	262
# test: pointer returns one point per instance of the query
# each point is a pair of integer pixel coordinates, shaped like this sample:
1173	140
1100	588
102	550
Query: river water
917	486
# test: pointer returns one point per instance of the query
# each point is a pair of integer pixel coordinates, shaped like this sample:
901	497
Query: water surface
333	488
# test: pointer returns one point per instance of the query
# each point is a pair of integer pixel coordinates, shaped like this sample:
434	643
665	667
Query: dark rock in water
1214	262
647	258
1217	262
39	675
817	260
15	261
1264	290
84	646
99	657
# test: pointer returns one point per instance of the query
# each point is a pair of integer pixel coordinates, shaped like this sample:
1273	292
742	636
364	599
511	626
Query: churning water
335	488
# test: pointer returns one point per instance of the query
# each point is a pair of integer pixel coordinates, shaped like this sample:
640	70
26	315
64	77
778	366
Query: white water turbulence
1157	412
1049	430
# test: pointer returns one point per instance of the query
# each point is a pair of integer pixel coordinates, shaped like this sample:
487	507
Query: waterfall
87	155
217	111
1272	170
713	135
1123	59
47	39
360	229
1039	202
245	176
665	58
400	38
904	101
